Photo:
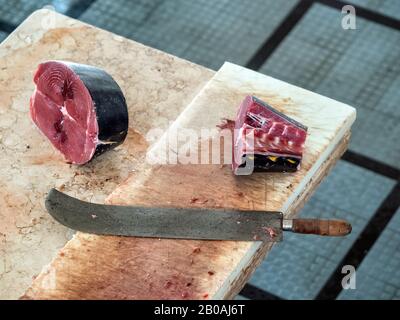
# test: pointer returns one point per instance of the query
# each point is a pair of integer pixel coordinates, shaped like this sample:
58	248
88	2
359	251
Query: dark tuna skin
109	102
79	108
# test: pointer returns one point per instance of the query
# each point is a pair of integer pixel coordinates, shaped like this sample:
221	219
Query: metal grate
390	8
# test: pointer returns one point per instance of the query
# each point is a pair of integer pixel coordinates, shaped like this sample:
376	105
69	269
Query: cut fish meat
79	108
266	139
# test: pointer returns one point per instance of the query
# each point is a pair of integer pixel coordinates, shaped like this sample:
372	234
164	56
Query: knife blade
181	223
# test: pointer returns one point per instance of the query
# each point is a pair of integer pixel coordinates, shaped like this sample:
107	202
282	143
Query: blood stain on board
194	200
196	250
168	284
270	231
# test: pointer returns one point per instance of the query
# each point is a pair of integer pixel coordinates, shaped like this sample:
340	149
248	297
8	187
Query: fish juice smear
79	108
266	139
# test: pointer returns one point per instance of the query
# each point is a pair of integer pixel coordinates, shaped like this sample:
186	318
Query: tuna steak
79	108
266	139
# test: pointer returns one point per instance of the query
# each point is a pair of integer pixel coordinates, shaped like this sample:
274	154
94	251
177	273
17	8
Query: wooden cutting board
97	267
157	87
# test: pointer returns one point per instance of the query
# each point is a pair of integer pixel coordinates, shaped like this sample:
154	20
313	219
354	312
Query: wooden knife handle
336	228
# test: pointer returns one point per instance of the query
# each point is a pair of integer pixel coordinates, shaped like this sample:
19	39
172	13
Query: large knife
183	223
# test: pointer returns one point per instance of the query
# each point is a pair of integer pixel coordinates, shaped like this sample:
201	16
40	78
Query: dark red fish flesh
266	139
79	108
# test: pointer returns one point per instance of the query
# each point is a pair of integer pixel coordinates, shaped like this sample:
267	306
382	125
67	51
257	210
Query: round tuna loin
79	108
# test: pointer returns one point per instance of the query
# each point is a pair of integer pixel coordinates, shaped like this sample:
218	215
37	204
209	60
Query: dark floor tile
378	276
3	35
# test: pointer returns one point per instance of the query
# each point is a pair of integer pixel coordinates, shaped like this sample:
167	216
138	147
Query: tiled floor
14	12
360	67
387	7
207	32
298	267
3	35
379	277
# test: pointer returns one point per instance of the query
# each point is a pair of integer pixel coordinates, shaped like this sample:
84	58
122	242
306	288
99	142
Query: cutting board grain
134	268
157	87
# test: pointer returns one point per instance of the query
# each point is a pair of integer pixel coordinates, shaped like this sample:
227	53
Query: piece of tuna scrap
79	108
266	139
